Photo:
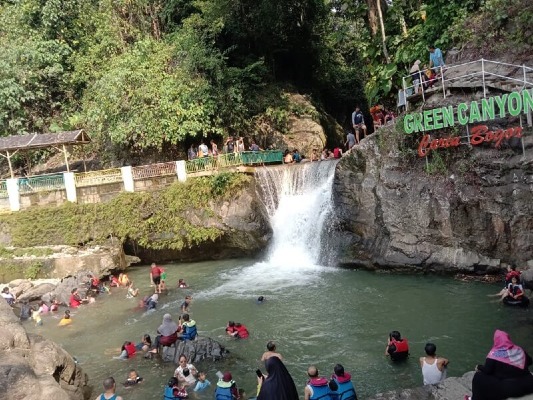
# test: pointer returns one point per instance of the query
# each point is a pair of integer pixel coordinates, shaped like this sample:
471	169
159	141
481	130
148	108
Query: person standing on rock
350	141
109	390
358	123
433	367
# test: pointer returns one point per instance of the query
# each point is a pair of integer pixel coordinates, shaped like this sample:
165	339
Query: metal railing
154	170
3	190
227	160
484	71
95	178
41	183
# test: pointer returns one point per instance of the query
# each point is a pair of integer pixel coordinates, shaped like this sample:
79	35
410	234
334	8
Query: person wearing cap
226	388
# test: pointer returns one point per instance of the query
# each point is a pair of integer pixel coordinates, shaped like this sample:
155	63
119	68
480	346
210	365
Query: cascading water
298	200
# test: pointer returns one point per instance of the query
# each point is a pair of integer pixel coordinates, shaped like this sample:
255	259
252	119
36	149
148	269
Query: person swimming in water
66	320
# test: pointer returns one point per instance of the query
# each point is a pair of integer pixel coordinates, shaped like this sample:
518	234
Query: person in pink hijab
505	373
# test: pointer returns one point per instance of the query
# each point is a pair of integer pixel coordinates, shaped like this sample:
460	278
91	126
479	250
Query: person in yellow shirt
66	320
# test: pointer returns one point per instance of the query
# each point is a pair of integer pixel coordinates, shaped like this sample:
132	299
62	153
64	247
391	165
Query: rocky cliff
472	214
34	368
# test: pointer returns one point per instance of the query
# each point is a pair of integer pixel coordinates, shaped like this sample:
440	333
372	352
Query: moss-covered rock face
180	217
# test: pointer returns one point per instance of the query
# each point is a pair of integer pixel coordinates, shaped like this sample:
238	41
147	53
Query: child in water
66	319
36	316
133	379
174	390
202	383
54	306
182	284
132	292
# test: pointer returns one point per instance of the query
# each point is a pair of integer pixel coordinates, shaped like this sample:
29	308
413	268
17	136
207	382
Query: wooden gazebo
11	145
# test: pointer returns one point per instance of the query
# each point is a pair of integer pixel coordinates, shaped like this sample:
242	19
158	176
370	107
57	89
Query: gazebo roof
43	140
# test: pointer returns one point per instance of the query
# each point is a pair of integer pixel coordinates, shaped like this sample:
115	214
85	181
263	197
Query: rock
394	215
63	290
22	287
245	231
203	348
450	388
36	292
34	368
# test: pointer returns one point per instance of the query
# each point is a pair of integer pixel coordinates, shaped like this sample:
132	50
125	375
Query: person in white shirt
433	367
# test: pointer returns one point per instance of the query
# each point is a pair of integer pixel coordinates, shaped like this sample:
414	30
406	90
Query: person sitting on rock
8	296
317	387
168	332
433	367
189	330
75	300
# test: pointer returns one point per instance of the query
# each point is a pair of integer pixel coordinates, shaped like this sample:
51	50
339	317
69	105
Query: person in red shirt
75	299
155	277
337	152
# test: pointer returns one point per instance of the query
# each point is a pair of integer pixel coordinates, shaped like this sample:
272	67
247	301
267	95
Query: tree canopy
149	75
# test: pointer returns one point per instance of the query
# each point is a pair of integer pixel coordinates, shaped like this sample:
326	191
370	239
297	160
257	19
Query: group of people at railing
425	76
231	145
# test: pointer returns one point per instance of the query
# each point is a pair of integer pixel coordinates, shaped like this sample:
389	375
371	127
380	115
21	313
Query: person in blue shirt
435	58
358	123
202	383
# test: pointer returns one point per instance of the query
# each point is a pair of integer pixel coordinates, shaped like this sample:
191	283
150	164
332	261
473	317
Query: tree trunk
372	17
383	36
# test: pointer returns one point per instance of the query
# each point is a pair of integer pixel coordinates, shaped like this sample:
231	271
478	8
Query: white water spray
298	201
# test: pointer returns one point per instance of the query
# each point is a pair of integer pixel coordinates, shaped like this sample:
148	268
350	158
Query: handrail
38	183
94	178
483	72
153	170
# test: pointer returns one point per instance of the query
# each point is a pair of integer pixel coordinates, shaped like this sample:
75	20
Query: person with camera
186	373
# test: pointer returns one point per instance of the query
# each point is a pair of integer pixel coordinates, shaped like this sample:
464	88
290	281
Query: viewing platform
95	186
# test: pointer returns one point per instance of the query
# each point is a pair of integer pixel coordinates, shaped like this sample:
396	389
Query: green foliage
25	252
436	163
174	218
33	271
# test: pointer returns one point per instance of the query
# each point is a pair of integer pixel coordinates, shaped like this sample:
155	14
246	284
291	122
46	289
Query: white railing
480	68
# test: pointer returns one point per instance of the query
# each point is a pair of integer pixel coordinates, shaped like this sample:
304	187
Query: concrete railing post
181	171
12	186
127	178
70	186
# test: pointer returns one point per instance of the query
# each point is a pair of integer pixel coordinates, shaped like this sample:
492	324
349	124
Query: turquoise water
317	315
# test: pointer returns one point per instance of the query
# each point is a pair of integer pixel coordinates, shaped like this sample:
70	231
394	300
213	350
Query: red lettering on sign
478	134
482	134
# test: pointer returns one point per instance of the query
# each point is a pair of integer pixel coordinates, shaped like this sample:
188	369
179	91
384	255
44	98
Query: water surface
317	315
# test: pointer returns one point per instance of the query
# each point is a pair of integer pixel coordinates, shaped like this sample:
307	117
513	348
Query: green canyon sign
475	112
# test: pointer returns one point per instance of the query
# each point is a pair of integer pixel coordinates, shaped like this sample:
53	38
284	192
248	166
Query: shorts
156	279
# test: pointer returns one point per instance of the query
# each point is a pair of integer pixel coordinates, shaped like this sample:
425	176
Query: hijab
506	351
168	327
416	66
279	384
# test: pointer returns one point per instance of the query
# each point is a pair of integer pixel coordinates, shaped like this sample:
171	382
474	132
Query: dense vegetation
146	76
154	220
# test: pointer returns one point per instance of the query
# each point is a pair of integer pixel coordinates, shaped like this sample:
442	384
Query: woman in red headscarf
505	373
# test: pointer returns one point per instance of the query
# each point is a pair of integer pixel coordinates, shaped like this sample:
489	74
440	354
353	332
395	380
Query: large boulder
35	368
203	348
36	292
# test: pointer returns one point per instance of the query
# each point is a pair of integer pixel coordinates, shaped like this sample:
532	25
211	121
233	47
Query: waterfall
298	201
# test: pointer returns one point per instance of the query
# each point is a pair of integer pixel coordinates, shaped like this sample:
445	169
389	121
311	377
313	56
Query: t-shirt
203	148
436	58
357	118
189	379
254	147
350	138
337	152
155	271
201	385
